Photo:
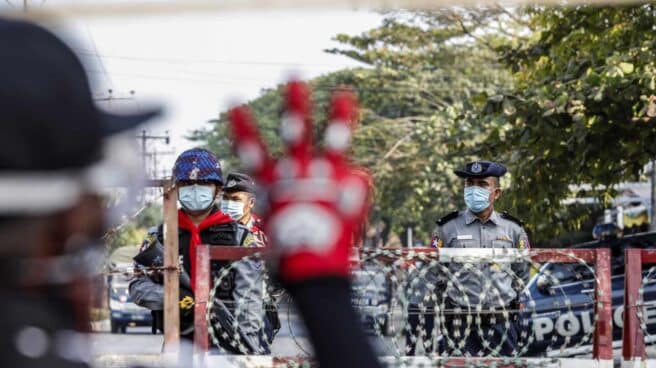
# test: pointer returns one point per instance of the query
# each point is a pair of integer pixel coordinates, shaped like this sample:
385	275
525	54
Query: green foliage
134	231
583	110
128	235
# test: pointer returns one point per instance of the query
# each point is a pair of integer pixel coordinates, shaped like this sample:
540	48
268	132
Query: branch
515	18
454	17
393	149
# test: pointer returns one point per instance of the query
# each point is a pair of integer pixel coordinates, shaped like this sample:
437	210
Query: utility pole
155	172
145	154
653	196
145	137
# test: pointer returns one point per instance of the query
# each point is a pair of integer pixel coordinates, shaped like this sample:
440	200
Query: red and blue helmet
197	164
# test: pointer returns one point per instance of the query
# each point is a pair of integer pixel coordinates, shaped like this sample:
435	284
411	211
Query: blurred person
316	204
492	286
238	202
58	152
199	181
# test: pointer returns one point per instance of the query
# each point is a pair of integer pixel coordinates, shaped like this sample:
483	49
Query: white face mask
233	209
196	197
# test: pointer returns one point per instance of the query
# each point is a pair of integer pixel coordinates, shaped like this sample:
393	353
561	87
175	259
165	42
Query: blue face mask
477	198
196	197
233	209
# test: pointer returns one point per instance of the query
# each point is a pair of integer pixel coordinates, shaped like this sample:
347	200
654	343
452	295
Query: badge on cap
476	168
231	183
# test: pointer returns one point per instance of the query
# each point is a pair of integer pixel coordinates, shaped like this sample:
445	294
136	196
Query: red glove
316	200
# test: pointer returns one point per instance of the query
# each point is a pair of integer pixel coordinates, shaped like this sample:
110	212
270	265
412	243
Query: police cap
238	182
481	169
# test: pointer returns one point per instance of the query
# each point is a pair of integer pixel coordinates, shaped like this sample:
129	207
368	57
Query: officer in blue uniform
492	286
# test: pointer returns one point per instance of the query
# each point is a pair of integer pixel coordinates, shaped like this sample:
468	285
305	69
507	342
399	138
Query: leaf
651	109
614	71
480	98
578	117
509	108
627	68
549	112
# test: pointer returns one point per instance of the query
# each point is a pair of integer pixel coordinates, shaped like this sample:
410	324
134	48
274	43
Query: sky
197	65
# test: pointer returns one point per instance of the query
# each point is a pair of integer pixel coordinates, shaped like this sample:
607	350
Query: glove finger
248	144
342	120
296	124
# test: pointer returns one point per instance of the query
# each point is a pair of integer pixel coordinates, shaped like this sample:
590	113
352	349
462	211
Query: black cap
49	119
481	169
238	182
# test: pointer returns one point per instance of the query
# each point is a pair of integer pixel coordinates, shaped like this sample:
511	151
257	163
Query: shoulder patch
447	218
509	217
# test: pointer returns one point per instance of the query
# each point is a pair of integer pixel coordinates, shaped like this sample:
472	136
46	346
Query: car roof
639	240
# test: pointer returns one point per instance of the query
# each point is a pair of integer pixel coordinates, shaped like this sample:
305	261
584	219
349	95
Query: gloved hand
316	199
186	304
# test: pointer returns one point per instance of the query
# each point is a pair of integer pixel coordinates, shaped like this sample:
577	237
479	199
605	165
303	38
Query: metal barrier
601	326
635	324
205	254
394	259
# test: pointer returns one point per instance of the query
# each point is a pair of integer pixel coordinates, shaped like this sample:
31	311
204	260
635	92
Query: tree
420	93
583	109
133	232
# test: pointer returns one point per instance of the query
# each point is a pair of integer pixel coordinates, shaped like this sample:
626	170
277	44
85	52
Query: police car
372	297
122	310
559	308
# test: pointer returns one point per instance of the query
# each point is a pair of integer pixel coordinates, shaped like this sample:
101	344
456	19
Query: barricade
409	269
638	307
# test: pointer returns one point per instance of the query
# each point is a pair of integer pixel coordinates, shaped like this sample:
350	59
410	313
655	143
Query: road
138	345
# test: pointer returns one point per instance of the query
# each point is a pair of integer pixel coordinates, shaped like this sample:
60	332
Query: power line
323	87
145	138
156	77
201	61
97	55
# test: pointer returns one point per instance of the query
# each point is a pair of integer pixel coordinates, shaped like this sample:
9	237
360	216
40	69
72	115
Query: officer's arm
146	293
522	269
436	272
147	289
248	296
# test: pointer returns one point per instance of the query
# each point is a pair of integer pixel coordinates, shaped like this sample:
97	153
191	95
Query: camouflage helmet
197	164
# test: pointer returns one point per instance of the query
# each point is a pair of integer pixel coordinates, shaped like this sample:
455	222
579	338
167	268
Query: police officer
198	177
238	201
492	286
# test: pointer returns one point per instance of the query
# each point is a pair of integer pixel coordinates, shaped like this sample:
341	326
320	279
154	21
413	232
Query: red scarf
184	222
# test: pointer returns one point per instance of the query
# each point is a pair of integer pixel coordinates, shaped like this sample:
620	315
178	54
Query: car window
569	272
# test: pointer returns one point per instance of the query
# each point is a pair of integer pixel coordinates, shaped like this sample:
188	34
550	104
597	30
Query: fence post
171	272
603	337
633	340
201	297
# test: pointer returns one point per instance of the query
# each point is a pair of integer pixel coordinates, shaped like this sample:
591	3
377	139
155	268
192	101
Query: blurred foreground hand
316	199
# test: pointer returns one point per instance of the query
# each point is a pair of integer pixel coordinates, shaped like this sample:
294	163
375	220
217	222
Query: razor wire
225	321
412	291
471	316
644	304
